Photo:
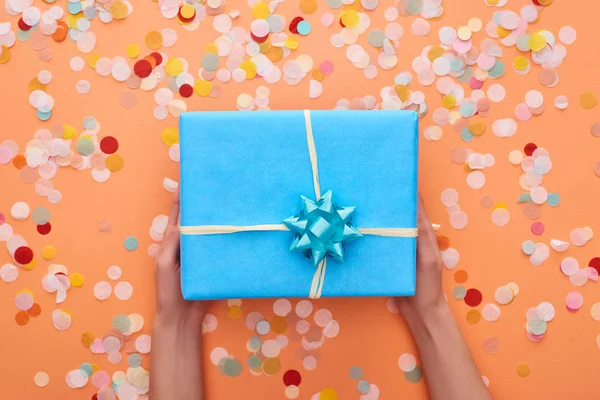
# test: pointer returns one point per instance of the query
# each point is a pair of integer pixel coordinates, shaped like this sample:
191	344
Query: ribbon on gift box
321	228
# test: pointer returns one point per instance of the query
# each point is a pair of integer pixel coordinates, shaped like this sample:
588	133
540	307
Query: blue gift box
251	168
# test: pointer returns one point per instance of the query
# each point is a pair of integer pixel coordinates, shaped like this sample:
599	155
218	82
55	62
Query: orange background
562	365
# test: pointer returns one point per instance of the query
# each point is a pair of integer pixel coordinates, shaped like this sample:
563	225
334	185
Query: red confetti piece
142	68
530	148
156	55
595	263
473	297
292	377
109	145
186	90
44	229
23	255
258	39
22	25
294	24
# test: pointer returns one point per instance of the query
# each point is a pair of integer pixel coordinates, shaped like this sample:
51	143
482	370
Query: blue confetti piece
553	199
304	28
44	116
466	135
131	243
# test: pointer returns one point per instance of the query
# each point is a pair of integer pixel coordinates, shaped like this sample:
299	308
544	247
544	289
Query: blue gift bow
319	276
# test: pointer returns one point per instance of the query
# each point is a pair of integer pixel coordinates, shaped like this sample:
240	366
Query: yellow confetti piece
265	46
477	128
500	205
403	92
537	42
492	2
434	53
473	317
274	54
32	264
119	10
201	88
521	63
588	100
291	43
76	280
211	48
328	394
170	136
49	252
308	6
133	50
35	84
87	338
234	312
250	69
5	55
92	59
69	132
349	18
260	10
154	40
523	370
95	368
72	20
449	101
114	162
174	67
318	75
187	11
502	32
26	291
545	2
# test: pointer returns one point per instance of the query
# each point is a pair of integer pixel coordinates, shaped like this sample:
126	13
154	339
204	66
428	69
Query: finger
169	252
174	216
427	240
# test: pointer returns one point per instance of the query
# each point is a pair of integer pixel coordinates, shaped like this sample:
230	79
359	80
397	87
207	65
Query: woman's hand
429	295
171	307
450	371
176	357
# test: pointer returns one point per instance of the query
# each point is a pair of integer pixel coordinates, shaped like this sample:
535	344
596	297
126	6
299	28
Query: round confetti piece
22	318
292	377
35	310
102	290
473	317
415	375
23	255
588	100
407	362
114	162
41	379
567	34
574	301
154	40
76	280
9	273
109	145
123	290
20	210
473	297
523	370
44	229
48	252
